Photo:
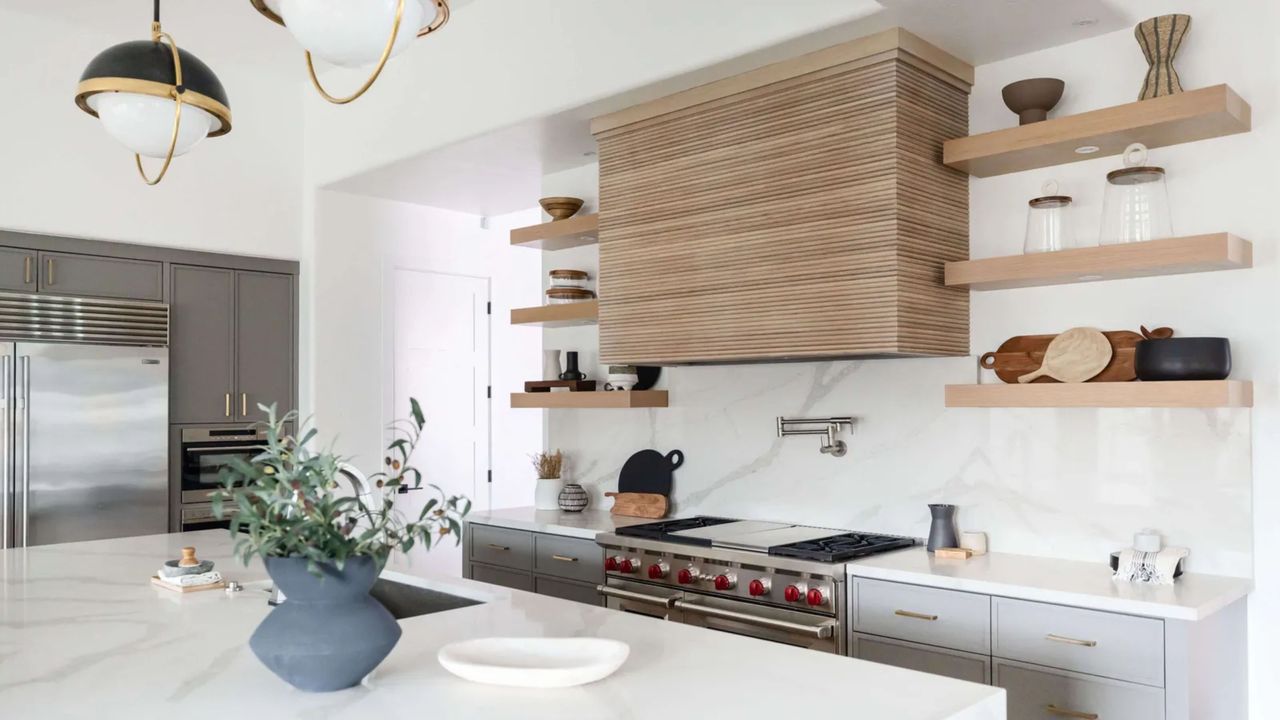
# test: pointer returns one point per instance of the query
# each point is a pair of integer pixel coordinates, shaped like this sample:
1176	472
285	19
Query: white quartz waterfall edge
534	662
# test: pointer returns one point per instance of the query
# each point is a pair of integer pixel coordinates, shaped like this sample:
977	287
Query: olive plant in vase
324	540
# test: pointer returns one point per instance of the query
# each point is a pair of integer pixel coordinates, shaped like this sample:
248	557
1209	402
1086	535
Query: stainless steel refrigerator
84	437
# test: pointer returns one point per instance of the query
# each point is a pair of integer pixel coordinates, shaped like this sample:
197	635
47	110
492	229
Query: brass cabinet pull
1071	641
227	410
916	615
564	558
244	405
1063	712
49	265
26	270
503	548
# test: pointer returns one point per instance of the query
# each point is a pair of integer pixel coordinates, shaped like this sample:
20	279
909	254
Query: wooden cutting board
644	505
1073	356
1023	354
155	580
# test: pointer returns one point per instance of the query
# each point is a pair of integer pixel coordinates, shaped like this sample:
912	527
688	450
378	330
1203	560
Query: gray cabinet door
17	269
913	656
264	343
93	276
201	344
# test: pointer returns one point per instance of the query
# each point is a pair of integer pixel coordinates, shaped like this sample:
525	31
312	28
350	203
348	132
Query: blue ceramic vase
329	632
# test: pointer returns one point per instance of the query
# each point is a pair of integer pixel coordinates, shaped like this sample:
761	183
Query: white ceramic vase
546	494
551	365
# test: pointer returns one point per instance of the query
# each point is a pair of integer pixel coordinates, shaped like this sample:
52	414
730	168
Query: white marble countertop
1066	582
585	524
83	633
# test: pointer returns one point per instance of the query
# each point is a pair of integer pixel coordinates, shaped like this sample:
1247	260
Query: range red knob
627	566
758	588
791	594
816	597
657	571
611	563
685	576
726	582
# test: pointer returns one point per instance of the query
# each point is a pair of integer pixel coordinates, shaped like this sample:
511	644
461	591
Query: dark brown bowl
1033	99
1183	358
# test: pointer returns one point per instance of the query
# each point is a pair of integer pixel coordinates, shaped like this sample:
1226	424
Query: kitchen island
83	634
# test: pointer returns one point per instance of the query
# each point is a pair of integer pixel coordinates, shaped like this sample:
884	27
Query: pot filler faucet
804	426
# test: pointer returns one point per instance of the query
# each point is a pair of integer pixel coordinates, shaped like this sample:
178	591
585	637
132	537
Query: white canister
546	494
551	365
975	542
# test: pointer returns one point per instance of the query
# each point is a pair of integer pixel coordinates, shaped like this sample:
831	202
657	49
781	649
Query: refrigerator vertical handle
6	449
24	402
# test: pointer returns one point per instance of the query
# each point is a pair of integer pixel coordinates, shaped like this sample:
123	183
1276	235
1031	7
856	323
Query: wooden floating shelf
559	234
563	315
1169	120
591	400
1174	256
1181	394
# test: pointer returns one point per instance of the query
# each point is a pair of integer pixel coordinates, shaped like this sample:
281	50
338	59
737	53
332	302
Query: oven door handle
613	592
820	631
255	449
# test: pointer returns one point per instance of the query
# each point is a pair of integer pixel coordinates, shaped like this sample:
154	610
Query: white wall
360	240
64	175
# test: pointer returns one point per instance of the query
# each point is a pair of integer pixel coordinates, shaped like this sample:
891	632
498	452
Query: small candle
974	541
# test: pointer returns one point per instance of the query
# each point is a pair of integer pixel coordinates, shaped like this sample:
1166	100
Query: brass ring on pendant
156	36
382	62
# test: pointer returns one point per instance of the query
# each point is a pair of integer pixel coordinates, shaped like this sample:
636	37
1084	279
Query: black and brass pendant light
354	34
156	99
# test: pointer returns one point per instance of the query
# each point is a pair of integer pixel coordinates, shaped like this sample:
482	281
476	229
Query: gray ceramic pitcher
942	531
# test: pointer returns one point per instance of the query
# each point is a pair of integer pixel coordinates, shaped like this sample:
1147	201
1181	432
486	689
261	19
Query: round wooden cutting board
1074	356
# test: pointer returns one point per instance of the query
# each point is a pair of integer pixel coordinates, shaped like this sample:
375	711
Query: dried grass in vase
548	465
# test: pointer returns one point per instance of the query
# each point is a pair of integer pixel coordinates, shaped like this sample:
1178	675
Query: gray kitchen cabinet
201	344
96	276
936	661
543	563
1038	692
264	346
17	269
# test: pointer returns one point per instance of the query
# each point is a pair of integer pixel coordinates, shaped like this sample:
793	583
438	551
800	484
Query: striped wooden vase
1160	38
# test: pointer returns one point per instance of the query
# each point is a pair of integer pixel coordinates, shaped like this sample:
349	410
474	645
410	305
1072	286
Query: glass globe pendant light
353	33
155	99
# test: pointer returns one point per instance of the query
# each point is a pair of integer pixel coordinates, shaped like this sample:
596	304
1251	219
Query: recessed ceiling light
1087	149
1085	22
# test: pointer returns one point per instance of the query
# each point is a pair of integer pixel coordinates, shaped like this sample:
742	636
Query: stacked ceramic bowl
569	286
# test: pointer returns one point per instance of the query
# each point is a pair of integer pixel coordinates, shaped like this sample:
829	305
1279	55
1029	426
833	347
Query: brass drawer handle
49	263
564	558
1071	641
1062	712
227	407
503	548
916	615
26	270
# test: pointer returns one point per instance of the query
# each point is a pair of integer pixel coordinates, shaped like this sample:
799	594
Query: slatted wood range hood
798	211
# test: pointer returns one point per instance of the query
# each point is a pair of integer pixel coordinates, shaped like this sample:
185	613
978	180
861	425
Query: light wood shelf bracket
1180	394
564	315
560	234
591	400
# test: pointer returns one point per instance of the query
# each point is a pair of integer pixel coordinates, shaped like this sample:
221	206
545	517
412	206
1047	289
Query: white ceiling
501	172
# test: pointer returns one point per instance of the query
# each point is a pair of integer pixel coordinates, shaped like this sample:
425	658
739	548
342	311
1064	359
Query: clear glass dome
144	123
351	34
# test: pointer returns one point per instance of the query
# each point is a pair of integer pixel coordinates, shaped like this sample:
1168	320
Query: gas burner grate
839	548
662	530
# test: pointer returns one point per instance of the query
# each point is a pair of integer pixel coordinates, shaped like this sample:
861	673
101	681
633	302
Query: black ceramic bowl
1190	358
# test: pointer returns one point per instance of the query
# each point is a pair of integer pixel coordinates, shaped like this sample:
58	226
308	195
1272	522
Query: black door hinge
490	476
488	392
488	308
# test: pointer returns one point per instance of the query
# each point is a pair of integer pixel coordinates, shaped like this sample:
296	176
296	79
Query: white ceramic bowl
534	662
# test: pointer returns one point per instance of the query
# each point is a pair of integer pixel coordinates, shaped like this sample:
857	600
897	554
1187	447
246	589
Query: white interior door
441	357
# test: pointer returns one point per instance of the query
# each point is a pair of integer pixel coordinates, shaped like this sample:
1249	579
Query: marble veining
1067	483
115	648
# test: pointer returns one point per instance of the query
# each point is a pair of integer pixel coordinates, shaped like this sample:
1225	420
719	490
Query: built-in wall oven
204	453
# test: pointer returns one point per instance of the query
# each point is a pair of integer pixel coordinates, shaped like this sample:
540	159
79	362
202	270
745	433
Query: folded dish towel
1149	567
208	578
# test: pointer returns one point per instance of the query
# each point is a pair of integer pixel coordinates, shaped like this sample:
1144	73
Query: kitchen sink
406	601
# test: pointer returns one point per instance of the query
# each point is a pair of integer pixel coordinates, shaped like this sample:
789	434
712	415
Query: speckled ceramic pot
573	498
329	632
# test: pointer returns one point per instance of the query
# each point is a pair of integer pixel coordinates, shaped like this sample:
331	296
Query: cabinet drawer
570	558
1043	694
948	663
502	576
500	546
1123	647
567	590
68	274
17	269
946	618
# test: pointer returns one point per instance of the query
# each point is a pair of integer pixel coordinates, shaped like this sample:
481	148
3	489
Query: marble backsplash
1070	483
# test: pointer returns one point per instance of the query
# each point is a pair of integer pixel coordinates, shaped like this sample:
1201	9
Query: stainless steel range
774	581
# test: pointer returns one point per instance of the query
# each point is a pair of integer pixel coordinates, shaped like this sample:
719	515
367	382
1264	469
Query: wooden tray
1022	354
643	505
155	580
533	386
